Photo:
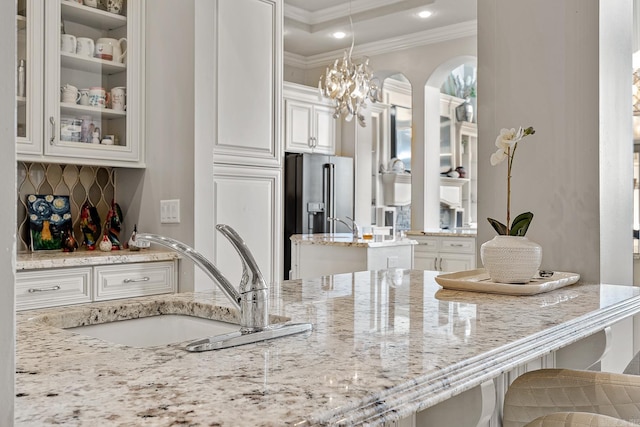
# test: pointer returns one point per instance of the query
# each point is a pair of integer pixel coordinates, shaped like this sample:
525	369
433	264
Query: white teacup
118	98
112	47
69	94
114	6
68	43
91	3
98	97
85	46
83	99
108	140
104	49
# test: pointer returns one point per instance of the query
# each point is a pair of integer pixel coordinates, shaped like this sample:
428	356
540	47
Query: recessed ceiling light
339	35
424	14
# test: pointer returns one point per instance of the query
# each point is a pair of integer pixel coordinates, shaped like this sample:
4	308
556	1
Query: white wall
7	227
575	173
170	90
566	71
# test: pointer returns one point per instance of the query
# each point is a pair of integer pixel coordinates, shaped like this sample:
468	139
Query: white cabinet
29	27
132	280
249	199
247	151
50	287
73	130
248	82
309	123
310	261
446	254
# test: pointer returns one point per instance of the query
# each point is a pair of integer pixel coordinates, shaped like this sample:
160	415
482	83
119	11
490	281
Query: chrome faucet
353	227
251	299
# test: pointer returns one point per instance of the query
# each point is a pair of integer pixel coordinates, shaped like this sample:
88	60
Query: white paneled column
7	230
564	67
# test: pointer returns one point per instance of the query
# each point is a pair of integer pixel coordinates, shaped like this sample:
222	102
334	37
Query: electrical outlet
392	261
170	211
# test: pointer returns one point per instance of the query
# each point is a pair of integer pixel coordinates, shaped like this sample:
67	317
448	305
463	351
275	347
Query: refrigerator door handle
328	177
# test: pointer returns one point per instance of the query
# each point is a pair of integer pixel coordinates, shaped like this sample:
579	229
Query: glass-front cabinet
92	89
29	76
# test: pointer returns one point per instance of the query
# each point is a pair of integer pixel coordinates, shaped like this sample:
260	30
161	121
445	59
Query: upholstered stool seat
575	398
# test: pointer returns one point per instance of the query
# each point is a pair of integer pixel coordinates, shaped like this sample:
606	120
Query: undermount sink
156	330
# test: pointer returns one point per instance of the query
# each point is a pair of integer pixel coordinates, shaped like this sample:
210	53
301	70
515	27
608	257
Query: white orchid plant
507	143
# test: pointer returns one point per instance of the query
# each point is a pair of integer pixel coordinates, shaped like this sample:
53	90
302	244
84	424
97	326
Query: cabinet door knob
440	268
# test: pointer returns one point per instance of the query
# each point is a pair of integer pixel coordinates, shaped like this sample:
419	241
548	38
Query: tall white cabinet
247	181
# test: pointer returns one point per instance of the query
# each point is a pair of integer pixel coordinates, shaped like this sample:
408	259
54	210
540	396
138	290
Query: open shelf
89	64
105	113
91	16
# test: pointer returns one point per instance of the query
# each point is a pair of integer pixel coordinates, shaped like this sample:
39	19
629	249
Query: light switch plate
170	211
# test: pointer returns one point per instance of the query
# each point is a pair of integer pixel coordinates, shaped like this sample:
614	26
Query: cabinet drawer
426	245
458	245
131	280
49	288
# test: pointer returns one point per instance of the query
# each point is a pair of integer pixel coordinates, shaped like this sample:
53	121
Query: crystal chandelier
349	85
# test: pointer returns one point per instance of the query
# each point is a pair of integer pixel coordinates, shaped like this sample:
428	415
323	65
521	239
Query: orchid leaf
520	224
498	226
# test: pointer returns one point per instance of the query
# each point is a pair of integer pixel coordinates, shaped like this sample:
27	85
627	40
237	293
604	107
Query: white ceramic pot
511	259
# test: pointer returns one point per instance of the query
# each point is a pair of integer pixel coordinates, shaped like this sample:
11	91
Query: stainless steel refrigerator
316	187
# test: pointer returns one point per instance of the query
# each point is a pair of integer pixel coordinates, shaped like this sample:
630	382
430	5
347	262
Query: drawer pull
144	279
53	288
456	245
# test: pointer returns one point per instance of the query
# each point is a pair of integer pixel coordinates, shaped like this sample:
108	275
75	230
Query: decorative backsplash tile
80	183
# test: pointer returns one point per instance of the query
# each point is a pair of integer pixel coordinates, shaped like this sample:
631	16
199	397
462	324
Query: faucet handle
252	278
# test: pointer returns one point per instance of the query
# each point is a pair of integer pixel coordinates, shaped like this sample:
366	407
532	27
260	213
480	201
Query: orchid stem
509	158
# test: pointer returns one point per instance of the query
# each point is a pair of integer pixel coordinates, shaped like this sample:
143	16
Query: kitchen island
444	250
386	345
315	255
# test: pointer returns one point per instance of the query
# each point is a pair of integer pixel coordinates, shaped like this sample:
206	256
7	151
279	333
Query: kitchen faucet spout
199	260
251	299
353	227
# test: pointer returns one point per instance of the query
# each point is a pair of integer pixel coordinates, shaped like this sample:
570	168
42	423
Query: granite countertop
385	344
80	258
346	239
463	232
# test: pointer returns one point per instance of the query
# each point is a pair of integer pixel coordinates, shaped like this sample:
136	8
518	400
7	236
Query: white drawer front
48	288
131	280
426	244
458	245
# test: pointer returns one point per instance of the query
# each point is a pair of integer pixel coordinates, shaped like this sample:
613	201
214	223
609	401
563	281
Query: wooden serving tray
478	281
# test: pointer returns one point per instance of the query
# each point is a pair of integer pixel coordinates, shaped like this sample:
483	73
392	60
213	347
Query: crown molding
334	12
422	38
396	86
